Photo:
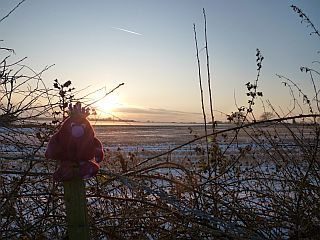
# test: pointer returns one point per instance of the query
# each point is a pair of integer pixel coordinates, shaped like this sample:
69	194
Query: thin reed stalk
208	69
201	93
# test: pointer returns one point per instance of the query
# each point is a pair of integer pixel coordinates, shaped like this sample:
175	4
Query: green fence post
76	208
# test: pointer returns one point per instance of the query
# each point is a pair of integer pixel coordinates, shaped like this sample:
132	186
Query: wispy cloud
126	30
143	110
156	114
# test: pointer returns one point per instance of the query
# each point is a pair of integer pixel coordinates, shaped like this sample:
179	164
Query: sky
149	46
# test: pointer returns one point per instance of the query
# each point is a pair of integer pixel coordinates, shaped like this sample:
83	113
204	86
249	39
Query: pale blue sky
158	65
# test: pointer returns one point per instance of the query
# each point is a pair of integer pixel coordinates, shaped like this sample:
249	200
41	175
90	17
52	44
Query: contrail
125	30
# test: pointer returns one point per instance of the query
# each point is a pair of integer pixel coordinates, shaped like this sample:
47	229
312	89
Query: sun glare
108	104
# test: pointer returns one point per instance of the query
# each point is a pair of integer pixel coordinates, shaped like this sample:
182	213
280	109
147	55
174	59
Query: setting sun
107	104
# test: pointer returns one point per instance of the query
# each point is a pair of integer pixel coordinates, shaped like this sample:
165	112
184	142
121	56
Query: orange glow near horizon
106	105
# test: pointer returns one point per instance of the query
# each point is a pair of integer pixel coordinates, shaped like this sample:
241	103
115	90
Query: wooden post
76	208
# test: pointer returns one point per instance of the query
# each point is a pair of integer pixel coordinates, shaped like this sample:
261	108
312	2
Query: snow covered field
264	180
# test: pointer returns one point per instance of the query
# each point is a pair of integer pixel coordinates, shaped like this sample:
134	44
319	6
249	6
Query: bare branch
3	18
